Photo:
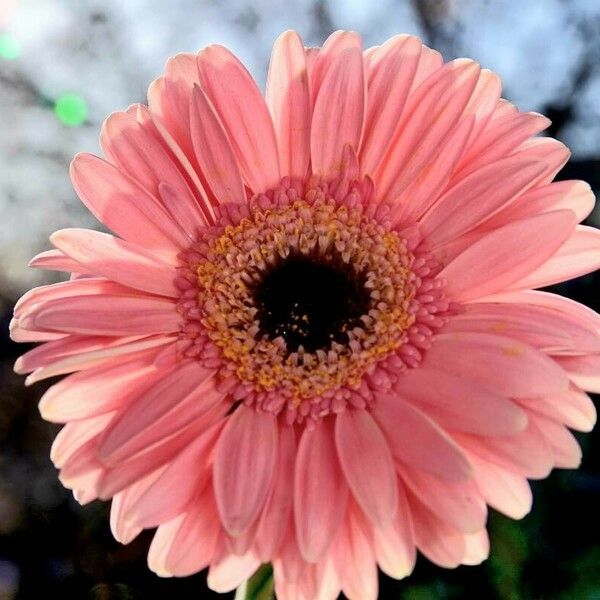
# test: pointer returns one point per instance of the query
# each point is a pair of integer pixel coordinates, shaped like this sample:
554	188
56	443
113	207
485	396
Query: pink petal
565	449
184	160
573	408
98	390
115	479
483	102
424	190
567	309
288	98
490	264
66	289
343	87
542	327
161	544
417	441
504	490
458	503
499	363
213	151
477	548
583	371
559	195
354	560
105	315
526	454
439	542
394	544
74	435
429	116
578	255
194	544
392	68
244	463
169	98
460	404
278	507
320	62
86	360
228	570
501	137
477	197
320	491
122	530
179	397
117	260
237	99
125	207
55	260
548	150
367	465
137	153
429	62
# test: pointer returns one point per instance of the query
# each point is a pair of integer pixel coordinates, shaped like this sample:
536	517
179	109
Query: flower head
313	339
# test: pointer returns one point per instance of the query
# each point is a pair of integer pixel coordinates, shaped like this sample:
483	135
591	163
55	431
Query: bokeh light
71	110
10	47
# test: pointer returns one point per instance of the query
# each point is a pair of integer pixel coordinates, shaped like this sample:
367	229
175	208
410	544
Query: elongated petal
431	113
237	99
320	491
578	255
416	440
542	327
499	363
278	507
367	464
457	503
439	542
394	544
55	260
502	489
460	404
117	260
491	264
194	544
154	413
145	159
574	408
98	390
392	68
344	88
87	360
213	151
124	206
171	494
477	197
321	61
584	371
244	462
228	570
288	98
527	454
354	559
106	315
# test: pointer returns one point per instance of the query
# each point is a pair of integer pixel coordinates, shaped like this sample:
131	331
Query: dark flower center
310	301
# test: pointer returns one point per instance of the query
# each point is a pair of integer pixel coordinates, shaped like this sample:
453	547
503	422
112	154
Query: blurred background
66	64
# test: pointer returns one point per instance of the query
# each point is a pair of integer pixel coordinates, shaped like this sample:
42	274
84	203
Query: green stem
258	587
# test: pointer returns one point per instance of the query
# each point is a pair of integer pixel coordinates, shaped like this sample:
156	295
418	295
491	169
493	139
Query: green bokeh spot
10	48
71	110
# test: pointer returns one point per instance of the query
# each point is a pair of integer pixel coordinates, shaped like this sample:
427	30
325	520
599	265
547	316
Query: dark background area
52	548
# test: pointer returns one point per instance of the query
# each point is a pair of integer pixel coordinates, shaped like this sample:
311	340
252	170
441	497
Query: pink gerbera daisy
313	340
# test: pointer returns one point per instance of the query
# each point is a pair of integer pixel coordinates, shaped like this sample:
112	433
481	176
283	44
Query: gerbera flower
312	340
